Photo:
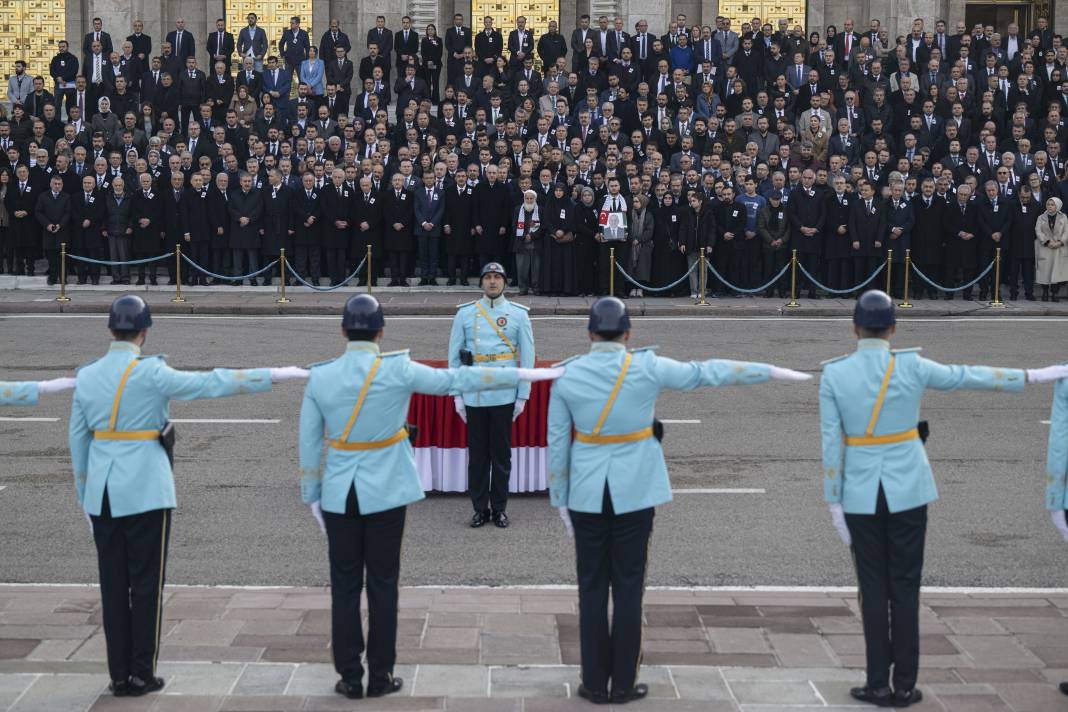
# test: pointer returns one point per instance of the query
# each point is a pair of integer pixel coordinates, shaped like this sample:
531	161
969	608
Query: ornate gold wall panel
740	11
29	30
505	12
273	17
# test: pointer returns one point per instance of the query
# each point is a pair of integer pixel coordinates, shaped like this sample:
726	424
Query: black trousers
335	264
1022	268
53	264
811	262
358	541
132	555
888	554
840	272
306	262
611	551
744	266
933	271
245	259
219	263
399	265
957	274
774	261
87	270
489	453
199	252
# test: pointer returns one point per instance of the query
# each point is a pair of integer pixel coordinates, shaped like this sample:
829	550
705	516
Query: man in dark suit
52	212
294	45
867	225
306	219
142	43
807	213
252	42
249	77
578	41
641	47
995	224
410	87
182	41
335	204
221	44
428	213
246	210
520	43
332	39
406	44
844	43
367	228
488	46
340	72
374	58
379	35
457	38
87	221
192	91
398	217
97	35
927	236
960	227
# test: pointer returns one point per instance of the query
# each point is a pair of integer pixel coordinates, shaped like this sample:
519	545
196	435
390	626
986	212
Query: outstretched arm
691	375
977	378
18	393
220	382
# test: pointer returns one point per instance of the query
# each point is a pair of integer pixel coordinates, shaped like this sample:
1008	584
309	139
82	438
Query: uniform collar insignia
494	303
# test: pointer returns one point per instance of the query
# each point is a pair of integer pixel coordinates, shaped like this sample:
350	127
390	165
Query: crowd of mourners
442	152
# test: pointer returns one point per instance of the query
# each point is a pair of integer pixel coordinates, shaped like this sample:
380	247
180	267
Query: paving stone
54	649
200	678
313	642
959	611
711	659
109	703
263	679
700	683
801	650
384	704
45	632
533	682
776	625
256	599
1023	697
1035	625
453	638
533	623
572	704
195	632
838	626
738	640
44	618
672	616
194	610
740	674
673	645
553	604
657	633
846	644
270	627
977	625
442	656
17	648
766	692
271	614
995	675
11	686
974	703
262	703
484	704
995	651
296	655
936	645
315	623
188	703
312	679
439	619
211	653
505	649
1051	656
824	610
60	693
451	681
722	611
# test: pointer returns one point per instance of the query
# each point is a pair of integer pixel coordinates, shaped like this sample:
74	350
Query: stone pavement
516	649
29	295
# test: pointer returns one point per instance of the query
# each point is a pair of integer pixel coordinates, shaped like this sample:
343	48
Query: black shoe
948	297
138	687
119	688
813	295
479	518
1013	296
882	697
51	281
1029	297
352	690
81	280
906	698
1063	688
637	692
597	698
96	281
153	282
388	687
982	296
500	520
451	283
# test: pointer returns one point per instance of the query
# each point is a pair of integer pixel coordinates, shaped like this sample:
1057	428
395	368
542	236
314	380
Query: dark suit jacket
257	41
249	205
142	47
189	45
226	48
397	210
960	252
105	45
429	210
53	211
95	212
341	76
408	47
327	45
294	49
255	85
383	38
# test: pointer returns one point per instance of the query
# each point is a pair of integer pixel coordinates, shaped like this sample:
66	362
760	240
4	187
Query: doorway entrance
1000	15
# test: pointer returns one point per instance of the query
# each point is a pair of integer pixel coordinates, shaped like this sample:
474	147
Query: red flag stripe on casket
439	426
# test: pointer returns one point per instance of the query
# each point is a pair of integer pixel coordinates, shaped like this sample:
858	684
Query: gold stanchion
62	273
611	271
701	278
889	268
793	304
282	274
370	271
997	280
178	274
908	264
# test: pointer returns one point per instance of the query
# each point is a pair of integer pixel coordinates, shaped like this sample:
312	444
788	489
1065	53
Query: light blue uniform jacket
18	392
383	478
848	391
471	331
636	473
1057	452
137	474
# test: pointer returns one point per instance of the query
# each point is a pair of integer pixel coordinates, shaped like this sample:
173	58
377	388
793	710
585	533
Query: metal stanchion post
702	277
611	271
178	275
282	274
906	304
889	267
62	273
997	280
370	271
792	304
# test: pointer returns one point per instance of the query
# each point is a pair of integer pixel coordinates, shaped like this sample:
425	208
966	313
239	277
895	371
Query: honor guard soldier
122	473
878	493
361	496
1057	453
26	392
607	474
495	333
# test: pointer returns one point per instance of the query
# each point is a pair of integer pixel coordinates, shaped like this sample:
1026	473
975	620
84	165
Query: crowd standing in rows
445	152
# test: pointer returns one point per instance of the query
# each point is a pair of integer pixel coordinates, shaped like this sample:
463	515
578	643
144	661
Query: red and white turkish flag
441	446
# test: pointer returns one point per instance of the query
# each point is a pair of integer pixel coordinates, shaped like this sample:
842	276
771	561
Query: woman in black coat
167	98
585	246
668	263
430	51
558	230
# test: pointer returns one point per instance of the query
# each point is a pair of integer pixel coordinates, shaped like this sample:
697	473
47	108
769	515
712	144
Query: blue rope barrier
825	288
939	287
119	264
231	279
773	280
645	288
316	287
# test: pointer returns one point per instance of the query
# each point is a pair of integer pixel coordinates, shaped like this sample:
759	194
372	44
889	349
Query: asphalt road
240	520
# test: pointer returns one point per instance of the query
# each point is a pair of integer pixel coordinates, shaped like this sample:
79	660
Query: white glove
838	518
317	512
461	409
787	374
565	517
1047	374
55	385
90	521
288	373
520	406
540	374
1058	521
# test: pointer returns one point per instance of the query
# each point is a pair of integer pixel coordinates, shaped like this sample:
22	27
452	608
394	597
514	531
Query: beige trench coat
1051	264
